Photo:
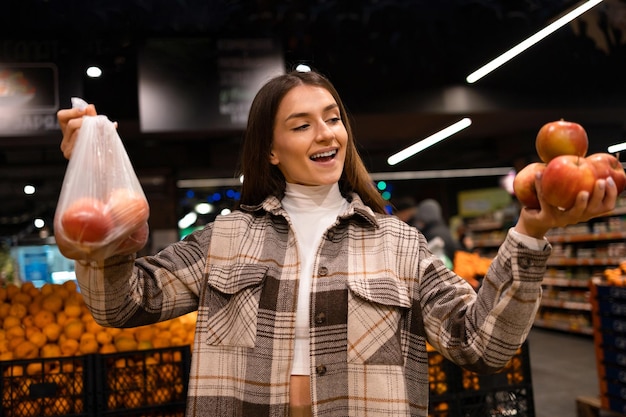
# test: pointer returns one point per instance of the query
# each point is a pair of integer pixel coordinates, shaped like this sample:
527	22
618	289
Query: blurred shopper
429	220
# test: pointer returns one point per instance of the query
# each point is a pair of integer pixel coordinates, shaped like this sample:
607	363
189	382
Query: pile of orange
53	321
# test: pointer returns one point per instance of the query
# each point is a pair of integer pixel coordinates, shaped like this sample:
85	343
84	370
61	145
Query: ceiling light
618	147
29	189
521	47
94	72
203	208
188	220
429	141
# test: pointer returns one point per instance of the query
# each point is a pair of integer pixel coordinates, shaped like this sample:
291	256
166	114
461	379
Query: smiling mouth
324	156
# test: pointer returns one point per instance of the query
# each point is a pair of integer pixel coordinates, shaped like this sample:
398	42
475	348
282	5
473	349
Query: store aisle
563	367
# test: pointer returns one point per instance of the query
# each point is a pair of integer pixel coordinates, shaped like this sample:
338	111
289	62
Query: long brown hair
261	178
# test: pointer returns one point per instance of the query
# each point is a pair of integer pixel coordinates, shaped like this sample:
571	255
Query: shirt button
320	318
320	370
525	263
323	271
330	235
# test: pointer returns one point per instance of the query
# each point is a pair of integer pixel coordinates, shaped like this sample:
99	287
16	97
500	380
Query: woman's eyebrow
304	114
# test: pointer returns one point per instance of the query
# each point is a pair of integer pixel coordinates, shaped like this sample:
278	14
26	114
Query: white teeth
324	154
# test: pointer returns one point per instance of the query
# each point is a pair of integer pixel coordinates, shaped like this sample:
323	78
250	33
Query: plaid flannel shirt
377	296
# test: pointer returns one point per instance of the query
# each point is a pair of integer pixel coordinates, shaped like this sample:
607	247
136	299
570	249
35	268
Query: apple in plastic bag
524	185
135	242
607	165
561	138
128	209
86	221
564	177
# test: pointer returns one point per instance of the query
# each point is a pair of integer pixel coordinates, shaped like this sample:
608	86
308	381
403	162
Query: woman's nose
325	132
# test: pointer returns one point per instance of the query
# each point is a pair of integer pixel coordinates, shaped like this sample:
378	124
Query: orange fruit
50	350
3	294
43	317
161	342
52	302
71	286
74	328
38	338
103	337
88	345
18	310
52	331
107	348
72	308
15	332
26	350
125	343
69	347
22	298
6	356
35	306
144	345
4	309
12	289
11	321
62	318
145	333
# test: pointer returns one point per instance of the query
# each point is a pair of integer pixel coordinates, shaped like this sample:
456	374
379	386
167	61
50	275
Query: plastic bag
102	209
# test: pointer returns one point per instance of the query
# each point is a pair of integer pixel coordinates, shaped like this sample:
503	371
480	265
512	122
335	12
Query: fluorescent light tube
521	47
429	141
617	147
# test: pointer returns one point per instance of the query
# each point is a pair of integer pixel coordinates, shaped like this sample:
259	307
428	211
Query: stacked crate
148	383
456	392
608	306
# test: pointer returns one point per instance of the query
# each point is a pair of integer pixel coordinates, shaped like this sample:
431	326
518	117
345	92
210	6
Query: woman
311	300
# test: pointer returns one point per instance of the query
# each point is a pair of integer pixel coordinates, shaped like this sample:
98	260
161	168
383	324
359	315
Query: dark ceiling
399	65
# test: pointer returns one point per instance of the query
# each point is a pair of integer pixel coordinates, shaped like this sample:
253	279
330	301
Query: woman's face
309	144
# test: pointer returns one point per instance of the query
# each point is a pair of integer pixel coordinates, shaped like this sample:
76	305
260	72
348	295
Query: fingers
70	121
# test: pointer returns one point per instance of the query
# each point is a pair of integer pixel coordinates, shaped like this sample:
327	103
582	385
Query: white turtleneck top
312	210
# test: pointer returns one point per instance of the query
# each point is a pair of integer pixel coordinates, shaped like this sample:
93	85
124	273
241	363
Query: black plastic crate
48	387
470	394
517	402
150	383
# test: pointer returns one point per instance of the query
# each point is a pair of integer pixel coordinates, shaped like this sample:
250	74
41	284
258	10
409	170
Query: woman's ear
273	158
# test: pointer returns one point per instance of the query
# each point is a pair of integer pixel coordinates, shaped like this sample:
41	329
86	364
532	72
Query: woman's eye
335	120
301	127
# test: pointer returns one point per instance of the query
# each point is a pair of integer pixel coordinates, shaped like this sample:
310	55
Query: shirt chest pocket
230	304
375	309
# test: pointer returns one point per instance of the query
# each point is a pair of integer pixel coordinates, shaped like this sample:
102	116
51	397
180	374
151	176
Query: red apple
135	242
86	221
561	138
607	165
524	185
564	177
127	208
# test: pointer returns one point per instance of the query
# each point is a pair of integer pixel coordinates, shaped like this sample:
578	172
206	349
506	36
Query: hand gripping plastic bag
102	209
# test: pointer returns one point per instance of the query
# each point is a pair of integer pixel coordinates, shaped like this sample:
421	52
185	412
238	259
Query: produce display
615	276
54	322
566	169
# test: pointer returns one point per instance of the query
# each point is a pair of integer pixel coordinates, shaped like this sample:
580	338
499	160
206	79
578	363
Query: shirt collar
272	205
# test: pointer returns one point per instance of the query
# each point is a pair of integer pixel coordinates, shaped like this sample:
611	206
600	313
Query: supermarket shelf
570	305
563	326
566	282
586	237
563	261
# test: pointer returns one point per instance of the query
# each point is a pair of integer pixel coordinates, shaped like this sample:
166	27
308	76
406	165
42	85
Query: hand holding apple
607	165
564	177
524	185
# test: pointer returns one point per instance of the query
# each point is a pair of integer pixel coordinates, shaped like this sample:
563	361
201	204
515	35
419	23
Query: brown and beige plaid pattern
377	296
